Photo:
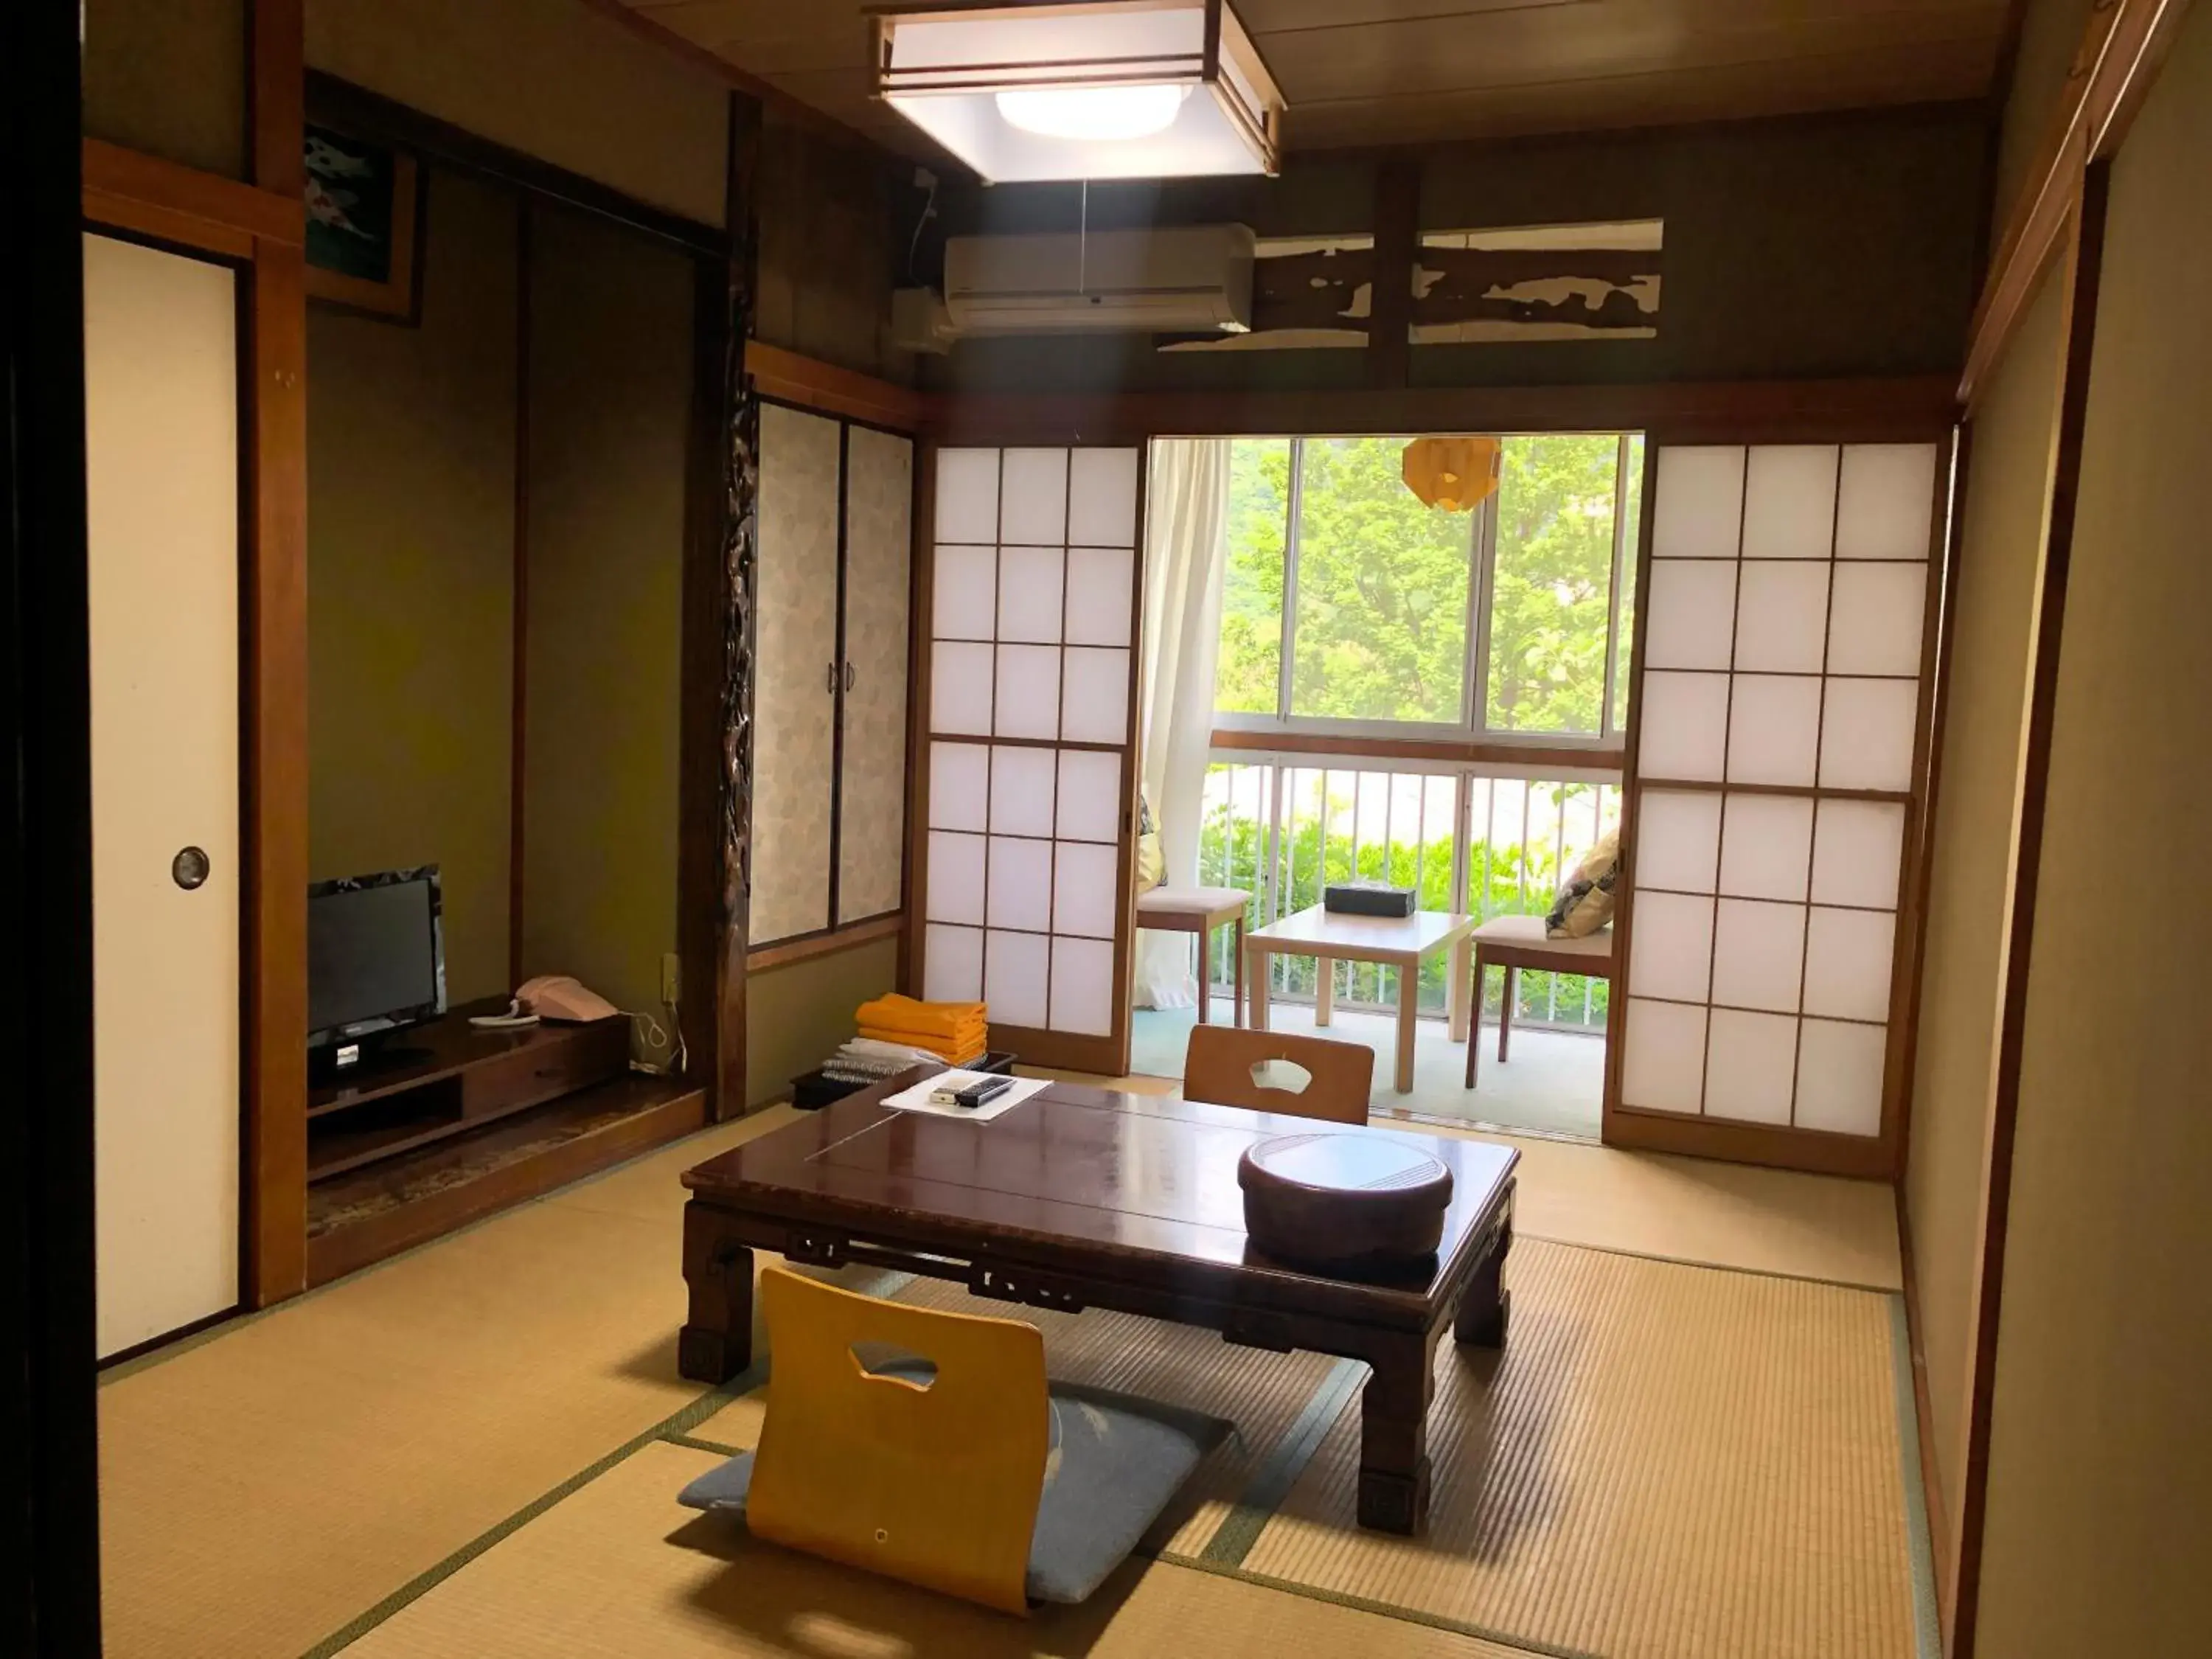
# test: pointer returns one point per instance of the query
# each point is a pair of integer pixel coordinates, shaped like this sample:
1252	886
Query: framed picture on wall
364	203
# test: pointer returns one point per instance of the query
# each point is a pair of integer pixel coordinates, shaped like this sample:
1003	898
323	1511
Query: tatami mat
270	1485
1697	1210
1669	1462
261	1488
618	1570
1270	1397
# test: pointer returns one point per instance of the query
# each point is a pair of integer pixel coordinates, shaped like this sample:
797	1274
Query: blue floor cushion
1117	1461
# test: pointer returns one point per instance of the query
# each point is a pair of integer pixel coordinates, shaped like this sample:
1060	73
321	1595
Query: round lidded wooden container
1335	1202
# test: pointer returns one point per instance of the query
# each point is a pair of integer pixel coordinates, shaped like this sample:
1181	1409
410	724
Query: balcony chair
1199	910
1516	942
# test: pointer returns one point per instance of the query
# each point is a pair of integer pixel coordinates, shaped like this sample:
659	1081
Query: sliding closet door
1778	774
872	755
795	696
161	364
1031	766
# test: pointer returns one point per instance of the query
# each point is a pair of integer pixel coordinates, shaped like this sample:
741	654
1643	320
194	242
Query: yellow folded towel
909	1014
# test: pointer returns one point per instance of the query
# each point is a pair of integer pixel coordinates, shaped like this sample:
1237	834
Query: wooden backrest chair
1233	1066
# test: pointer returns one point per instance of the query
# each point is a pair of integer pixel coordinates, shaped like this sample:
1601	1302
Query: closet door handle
848	675
829	683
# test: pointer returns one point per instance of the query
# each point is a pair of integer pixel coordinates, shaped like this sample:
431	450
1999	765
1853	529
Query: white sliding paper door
1030	773
161	363
795	687
1777	776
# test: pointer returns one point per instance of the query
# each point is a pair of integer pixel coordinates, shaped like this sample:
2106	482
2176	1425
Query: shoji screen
1777	772
1031	765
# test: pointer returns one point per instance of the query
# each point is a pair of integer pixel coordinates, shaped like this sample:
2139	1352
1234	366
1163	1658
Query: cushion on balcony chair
1116	1462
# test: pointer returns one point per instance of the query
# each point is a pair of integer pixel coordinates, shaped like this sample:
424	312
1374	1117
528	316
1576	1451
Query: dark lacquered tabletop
1144	1178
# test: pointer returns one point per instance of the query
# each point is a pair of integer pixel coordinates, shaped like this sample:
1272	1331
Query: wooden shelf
379	1205
446	1047
334	1152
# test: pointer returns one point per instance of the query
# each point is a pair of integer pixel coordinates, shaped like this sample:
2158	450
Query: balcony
1465	837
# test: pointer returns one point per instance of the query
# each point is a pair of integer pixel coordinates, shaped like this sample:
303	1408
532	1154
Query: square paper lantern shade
1121	89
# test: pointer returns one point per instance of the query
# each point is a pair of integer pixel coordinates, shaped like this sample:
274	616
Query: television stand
381	1052
407	1145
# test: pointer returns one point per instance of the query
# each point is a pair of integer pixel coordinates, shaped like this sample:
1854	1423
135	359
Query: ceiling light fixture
1094	114
1082	88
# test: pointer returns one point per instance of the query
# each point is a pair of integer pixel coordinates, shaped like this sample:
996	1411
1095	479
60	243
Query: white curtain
1187	525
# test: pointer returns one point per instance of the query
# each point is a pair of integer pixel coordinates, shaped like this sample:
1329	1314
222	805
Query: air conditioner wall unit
1189	279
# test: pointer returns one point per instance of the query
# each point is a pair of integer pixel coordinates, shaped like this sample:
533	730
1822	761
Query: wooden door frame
719	581
787	380
260	229
1876	1156
2082	247
1917	409
1106	1055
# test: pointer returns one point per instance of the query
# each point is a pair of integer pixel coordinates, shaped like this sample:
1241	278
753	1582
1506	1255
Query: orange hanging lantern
1452	473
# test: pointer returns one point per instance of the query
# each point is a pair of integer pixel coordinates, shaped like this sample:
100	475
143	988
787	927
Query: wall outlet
671	979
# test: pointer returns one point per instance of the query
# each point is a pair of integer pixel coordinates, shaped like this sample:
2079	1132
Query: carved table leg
1394	1438
717	1342
1484	1308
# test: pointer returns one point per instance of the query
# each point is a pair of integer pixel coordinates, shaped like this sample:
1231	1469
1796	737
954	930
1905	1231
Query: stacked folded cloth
863	1061
955	1032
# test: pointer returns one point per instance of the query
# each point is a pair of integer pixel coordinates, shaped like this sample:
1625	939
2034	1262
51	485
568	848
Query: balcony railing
1464	839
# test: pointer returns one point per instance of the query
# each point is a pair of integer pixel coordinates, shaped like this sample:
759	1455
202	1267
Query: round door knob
189	868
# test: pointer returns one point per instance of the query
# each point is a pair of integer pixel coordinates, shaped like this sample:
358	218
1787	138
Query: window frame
1472	725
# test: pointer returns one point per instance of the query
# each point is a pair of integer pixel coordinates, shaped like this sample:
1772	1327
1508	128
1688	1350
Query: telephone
559	996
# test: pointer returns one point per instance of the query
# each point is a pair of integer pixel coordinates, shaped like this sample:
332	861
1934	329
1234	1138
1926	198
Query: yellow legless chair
935	1483
960	1469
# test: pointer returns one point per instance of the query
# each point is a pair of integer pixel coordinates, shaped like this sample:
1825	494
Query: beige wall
169	77
411	556
830	252
2100	1460
2049	32
552	78
796	1016
2007	476
610	392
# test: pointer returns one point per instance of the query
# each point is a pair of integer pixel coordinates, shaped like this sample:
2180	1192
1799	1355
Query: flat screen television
376	961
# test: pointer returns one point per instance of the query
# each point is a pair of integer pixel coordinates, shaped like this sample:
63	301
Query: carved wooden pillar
721	590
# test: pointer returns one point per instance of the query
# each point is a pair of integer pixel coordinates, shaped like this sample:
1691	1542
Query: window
1348	605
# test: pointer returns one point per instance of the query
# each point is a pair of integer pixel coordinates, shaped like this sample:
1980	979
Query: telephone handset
549	996
559	996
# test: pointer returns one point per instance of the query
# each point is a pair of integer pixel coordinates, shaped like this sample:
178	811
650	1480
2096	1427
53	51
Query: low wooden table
1085	1197
1403	942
